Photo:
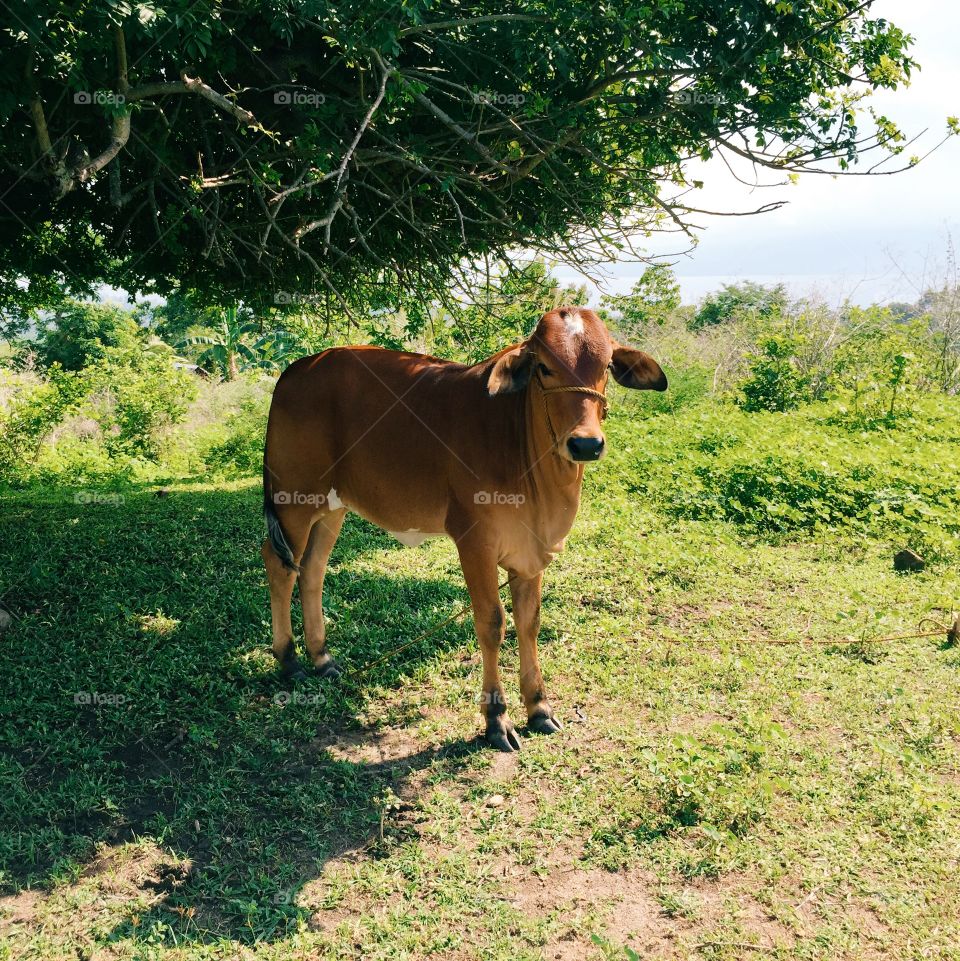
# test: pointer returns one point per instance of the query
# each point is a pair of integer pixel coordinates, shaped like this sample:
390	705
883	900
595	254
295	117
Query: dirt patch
619	906
109	885
386	746
730	901
19	908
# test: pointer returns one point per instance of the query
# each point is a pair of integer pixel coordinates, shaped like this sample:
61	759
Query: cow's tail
275	533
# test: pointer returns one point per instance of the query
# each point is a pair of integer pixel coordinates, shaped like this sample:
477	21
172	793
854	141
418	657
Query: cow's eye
543	370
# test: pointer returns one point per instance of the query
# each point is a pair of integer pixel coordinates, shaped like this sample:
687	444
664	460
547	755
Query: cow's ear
634	368
511	372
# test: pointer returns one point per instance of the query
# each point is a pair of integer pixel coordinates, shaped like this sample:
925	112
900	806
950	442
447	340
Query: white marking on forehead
334	502
574	322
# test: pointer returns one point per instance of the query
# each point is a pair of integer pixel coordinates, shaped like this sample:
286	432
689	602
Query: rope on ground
952	632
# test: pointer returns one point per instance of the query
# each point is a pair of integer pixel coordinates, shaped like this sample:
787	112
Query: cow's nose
585	448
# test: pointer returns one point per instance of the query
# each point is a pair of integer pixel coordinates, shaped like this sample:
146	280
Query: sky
866	239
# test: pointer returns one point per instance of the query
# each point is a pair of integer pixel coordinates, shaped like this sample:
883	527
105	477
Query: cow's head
571	347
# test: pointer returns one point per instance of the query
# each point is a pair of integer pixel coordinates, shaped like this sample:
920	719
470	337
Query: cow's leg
281	579
312	570
489	619
525	592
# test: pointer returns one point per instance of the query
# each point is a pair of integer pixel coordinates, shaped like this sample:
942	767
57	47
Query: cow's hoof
329	671
544	724
292	670
503	737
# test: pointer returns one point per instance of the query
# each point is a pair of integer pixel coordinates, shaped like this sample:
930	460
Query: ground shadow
137	698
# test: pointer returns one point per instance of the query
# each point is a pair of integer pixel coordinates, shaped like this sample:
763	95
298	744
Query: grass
735	778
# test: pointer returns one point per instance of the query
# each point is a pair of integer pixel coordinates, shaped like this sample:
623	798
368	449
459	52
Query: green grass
735	778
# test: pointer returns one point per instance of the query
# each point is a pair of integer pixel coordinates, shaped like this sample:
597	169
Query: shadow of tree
244	872
138	698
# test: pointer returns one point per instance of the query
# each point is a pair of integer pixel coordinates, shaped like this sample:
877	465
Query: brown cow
490	455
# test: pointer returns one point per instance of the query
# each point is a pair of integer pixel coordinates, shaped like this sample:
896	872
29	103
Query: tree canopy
740	298
77	334
283	151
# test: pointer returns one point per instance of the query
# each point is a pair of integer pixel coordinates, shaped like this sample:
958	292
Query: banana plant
237	344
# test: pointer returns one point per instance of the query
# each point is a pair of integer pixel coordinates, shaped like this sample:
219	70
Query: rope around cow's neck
597	394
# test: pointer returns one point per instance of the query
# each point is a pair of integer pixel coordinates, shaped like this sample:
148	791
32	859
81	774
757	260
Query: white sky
842	237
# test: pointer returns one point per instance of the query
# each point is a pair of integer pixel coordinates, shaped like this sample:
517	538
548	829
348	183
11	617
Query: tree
738	299
172	319
238	343
78	334
502	307
364	149
652	299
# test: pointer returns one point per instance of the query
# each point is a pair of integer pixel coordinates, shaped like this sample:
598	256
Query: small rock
908	560
5	620
495	801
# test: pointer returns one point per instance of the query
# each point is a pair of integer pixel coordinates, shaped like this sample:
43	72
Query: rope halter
589	391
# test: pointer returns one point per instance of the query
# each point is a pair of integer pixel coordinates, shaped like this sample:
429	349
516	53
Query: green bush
130	400
791	476
240	452
135	395
882	368
78	334
783	494
737	300
689	385
31	415
773	381
74	462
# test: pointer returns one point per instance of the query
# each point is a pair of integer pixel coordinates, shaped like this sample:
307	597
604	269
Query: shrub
240	453
792	476
734	300
653	299
782	494
881	369
134	395
689	385
773	382
33	412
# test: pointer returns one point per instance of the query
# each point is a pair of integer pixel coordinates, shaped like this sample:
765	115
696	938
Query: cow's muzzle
585	448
